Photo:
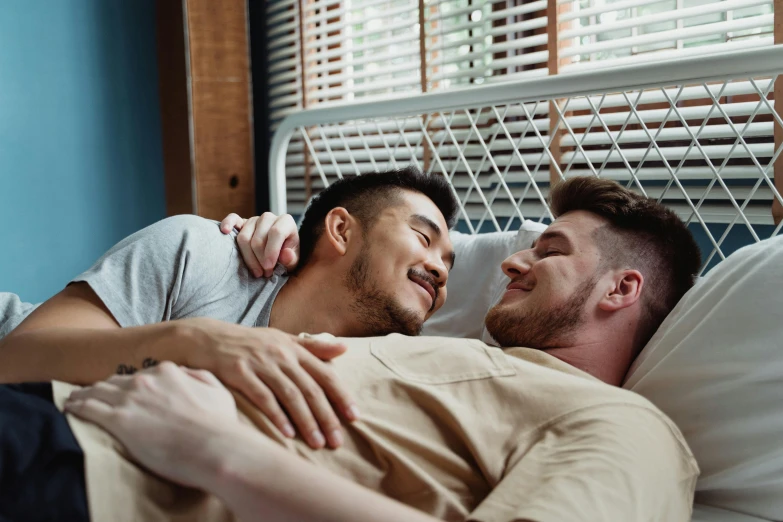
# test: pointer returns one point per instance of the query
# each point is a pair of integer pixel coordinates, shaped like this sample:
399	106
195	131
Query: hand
267	366
163	415
265	240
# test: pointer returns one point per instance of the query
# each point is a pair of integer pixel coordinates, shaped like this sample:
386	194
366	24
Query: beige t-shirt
458	429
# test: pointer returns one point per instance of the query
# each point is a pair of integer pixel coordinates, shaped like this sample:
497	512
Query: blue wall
80	144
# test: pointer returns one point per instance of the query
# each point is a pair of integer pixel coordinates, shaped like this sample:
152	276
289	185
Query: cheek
411	248
400	249
551	280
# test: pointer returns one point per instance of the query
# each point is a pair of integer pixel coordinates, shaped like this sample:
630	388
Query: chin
506	325
414	305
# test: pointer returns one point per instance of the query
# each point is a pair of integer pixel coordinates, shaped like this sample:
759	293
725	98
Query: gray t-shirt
181	267
12	312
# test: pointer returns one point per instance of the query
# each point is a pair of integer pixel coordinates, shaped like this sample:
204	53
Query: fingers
282	234
252	241
90	409
103	391
289	258
324	350
289	255
263	239
260	241
244	239
291	395
327	380
325	376
259	394
316	416
230	222
204	376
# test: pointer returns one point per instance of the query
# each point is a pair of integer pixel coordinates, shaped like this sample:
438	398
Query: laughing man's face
401	271
550	285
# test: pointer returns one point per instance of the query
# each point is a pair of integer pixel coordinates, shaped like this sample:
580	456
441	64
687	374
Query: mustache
429	279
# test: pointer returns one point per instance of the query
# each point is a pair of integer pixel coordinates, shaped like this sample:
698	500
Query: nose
517	264
437	269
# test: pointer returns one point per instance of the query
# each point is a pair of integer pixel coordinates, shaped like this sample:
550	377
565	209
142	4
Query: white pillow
476	282
715	367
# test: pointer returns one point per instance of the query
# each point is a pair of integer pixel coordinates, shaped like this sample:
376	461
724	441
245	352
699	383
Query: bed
701	135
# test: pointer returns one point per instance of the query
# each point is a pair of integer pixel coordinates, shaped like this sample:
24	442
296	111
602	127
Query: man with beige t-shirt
451	427
454	429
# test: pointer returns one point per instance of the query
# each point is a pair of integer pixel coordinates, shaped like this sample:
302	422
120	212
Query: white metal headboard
698	134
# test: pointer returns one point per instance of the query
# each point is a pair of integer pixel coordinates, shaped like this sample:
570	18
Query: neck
314	301
602	358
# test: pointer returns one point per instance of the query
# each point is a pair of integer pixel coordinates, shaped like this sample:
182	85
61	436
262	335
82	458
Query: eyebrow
550	235
427	222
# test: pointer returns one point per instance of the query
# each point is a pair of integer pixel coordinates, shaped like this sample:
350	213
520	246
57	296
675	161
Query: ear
340	228
625	290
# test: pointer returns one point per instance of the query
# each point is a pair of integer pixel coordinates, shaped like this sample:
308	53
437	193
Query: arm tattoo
126	369
129	369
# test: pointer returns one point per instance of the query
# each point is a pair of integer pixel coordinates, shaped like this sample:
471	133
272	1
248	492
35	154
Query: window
325	52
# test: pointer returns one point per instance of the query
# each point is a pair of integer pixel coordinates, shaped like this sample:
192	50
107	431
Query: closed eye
426	238
550	253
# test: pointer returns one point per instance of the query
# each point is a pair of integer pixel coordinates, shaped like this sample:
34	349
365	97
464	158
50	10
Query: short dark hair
366	196
642	234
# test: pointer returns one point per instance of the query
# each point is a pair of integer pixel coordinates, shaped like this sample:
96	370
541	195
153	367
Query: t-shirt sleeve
159	273
609	463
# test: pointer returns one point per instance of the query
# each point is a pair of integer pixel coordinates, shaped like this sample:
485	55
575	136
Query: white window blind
470	42
630	31
284	76
324	52
360	49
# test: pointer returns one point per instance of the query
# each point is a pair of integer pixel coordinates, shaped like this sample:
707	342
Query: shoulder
632	423
185	224
178	243
187	232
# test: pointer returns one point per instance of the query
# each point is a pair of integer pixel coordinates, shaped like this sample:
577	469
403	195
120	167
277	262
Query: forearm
259	480
85	355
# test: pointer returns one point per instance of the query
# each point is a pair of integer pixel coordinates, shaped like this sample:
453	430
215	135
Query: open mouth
426	286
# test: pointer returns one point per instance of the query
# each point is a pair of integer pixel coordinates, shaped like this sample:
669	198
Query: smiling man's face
399	276
550	286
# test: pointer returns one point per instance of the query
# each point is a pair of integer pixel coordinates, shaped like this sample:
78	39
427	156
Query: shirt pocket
441	361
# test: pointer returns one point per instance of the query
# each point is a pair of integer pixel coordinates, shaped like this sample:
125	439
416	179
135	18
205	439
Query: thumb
289	258
324	350
289	253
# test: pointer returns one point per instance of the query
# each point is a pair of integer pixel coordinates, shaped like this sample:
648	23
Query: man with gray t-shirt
375	255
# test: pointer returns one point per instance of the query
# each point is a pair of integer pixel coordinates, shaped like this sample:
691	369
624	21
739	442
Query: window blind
599	33
325	52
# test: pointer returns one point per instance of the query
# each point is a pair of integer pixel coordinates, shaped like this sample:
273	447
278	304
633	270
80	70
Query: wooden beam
777	208
220	107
